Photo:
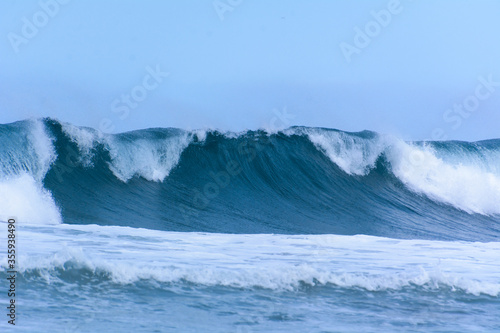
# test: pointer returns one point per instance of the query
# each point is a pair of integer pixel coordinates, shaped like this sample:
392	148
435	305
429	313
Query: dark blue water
305	229
264	183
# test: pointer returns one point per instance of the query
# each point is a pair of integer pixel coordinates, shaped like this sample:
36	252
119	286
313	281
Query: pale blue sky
231	73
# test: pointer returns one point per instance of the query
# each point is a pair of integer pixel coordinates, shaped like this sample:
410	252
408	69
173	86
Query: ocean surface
297	230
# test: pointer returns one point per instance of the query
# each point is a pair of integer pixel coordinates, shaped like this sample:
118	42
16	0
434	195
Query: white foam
277	262
22	194
467	187
144	157
86	139
27	148
466	180
354	155
25	199
152	160
42	146
201	134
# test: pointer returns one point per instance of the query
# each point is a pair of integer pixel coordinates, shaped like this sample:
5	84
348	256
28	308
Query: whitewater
303	229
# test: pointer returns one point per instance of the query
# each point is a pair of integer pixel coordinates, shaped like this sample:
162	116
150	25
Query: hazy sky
411	68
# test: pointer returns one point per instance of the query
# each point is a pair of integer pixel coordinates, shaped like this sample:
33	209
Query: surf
278	263
296	181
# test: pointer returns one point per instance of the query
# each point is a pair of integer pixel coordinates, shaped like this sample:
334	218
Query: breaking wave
299	180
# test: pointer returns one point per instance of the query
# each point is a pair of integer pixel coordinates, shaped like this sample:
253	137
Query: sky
420	70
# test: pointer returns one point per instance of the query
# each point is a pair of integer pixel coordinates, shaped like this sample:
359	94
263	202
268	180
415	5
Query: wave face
296	181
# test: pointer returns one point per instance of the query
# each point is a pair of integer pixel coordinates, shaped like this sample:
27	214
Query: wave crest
299	180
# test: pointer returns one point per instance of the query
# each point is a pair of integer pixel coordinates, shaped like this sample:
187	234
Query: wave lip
151	159
26	155
466	178
355	154
148	154
27	148
296	181
467	187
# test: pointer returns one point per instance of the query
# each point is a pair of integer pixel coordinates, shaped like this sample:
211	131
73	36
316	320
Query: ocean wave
150	155
280	278
354	153
84	254
26	155
299	180
468	185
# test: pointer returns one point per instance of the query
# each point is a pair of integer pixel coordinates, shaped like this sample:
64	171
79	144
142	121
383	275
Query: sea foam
467	180
467	187
26	158
278	262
